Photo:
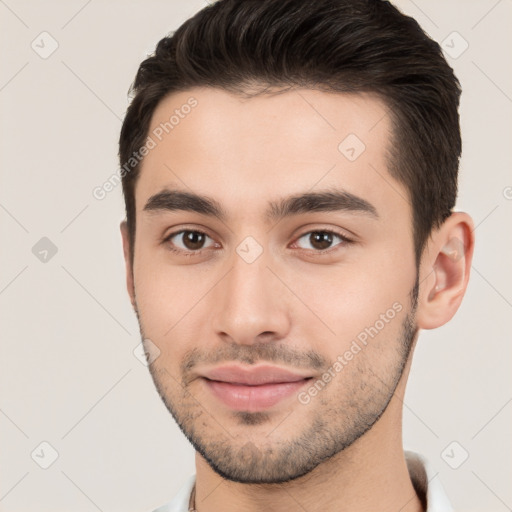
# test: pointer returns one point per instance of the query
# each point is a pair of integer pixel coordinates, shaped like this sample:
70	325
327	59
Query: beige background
68	374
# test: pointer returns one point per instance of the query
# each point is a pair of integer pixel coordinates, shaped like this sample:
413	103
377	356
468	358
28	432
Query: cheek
351	298
163	303
171	302
364	306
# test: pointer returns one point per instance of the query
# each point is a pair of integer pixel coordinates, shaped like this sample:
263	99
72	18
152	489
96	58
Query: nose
251	304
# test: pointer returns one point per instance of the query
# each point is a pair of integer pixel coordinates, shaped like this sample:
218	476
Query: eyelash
345	240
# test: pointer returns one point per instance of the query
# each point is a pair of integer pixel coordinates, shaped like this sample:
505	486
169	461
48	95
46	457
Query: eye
191	242
321	241
187	241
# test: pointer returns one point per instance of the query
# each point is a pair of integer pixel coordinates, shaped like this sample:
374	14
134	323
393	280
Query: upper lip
253	376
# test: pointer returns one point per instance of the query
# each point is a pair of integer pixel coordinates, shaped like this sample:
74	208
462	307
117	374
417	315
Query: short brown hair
247	46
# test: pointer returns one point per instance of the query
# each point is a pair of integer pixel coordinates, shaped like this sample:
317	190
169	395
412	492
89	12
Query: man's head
357	46
292	208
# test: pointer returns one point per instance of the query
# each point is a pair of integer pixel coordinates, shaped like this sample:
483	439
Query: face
242	278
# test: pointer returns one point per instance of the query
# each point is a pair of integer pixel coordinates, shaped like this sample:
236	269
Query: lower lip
253	398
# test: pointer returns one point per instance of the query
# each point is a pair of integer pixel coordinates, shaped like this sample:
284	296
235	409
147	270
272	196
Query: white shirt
424	480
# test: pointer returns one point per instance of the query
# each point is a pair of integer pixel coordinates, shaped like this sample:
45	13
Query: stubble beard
334	425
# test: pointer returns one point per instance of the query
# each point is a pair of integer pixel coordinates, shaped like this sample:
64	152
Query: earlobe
128	263
447	262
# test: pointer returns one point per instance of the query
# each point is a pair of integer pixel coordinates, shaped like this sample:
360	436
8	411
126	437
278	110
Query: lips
253	389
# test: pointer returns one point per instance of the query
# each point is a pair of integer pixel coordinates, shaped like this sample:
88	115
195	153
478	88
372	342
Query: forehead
245	150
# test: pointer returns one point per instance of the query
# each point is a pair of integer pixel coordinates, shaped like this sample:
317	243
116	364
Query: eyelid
341	232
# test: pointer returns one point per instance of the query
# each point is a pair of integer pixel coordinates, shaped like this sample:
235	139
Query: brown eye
193	240
188	240
322	240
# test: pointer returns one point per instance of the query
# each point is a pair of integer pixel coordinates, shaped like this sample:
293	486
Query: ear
128	263
444	271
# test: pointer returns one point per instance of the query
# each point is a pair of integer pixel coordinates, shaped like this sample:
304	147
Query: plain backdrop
68	373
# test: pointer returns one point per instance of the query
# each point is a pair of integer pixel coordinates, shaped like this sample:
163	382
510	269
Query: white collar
426	483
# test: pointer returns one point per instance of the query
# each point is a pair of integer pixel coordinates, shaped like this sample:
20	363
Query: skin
343	450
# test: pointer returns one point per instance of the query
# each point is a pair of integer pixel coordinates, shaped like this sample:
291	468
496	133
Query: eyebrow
323	201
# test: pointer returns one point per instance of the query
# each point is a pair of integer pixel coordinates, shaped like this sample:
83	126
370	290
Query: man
290	171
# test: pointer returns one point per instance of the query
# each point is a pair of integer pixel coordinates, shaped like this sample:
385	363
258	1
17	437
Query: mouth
253	389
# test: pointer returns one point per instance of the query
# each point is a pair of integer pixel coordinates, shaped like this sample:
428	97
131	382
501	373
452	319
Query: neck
371	475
